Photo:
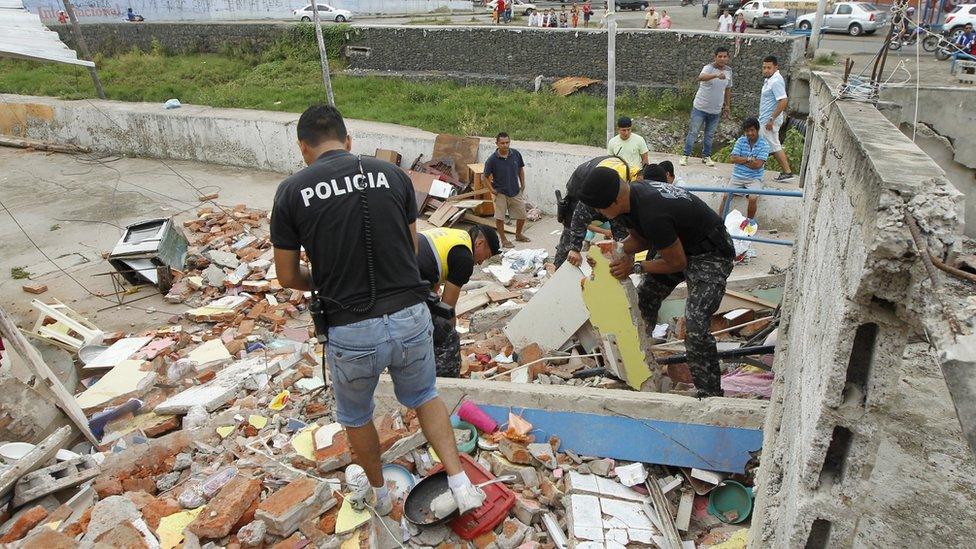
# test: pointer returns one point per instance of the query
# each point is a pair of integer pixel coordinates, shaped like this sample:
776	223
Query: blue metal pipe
736	190
764	240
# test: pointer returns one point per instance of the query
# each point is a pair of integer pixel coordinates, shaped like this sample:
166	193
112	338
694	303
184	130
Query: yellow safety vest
620	167
441	241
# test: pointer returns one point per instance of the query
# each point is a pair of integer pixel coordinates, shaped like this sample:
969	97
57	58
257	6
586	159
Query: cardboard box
390	156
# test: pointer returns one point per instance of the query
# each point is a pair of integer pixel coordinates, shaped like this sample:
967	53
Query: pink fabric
745	381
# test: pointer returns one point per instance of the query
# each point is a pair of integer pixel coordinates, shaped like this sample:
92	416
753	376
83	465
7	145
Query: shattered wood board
672	308
613	311
119	351
676	444
554	314
462	150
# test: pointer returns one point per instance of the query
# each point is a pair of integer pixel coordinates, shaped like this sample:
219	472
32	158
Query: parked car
854	18
731	5
326	13
760	13
630	4
957	19
519	7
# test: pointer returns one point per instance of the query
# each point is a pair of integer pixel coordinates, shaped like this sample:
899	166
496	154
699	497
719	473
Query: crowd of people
576	16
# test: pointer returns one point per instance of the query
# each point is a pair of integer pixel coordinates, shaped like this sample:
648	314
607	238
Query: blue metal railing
728	205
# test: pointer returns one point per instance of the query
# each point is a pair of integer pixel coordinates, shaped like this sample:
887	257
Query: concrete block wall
266	140
655	59
854	293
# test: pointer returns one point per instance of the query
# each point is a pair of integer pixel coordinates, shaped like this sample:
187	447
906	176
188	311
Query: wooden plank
469	194
683	517
488	222
471	302
7	141
752	298
442	215
35	459
672	538
495	297
36	364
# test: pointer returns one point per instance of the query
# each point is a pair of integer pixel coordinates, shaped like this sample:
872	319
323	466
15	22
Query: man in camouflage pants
691	244
576	216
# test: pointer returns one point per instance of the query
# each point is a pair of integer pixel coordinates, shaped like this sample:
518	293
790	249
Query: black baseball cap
491	237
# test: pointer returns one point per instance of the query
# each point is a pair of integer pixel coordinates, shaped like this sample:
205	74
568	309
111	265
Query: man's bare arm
450	294
291	273
634	243
413	234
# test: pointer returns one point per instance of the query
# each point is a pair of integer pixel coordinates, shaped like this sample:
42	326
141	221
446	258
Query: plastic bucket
730	502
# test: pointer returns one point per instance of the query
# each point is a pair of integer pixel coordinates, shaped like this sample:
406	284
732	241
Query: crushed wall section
505	56
855	292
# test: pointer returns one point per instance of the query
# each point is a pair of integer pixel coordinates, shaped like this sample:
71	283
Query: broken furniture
147	251
59	325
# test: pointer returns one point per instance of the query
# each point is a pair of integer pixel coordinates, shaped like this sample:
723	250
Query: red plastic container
498	502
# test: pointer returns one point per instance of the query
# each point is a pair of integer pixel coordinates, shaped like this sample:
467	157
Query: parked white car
854	18
326	13
760	13
962	14
519	7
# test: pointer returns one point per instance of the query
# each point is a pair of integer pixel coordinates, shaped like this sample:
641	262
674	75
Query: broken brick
123	536
49	539
159	508
107	486
226	508
34	288
146	485
293	542
25	523
160	426
300	500
515	452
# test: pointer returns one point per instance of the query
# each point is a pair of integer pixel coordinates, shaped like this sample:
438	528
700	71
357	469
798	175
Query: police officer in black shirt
692	246
446	259
356	219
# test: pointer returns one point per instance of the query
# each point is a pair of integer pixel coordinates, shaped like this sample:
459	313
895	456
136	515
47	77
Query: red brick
515	452
34	288
107	486
49	539
79	526
123	536
25	523
484	540
226	508
283	500
248	515
328	522
146	485
292	542
159	508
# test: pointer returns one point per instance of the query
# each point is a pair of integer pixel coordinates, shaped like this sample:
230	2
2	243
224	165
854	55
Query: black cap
624	122
600	187
491	237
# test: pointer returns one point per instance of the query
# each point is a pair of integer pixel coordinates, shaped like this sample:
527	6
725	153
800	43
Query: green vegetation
287	77
825	60
793	145
18	273
56	227
430	21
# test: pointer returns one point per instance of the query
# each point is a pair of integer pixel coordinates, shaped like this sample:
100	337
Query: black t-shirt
579	175
460	264
319	209
661	213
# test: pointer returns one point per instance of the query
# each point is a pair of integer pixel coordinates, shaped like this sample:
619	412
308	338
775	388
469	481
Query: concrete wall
855	292
113	11
945	132
506	56
266	140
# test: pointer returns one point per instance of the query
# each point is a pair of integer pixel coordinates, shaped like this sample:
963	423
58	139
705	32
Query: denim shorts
400	342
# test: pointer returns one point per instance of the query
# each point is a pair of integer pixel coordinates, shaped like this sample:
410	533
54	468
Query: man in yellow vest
446	258
576	217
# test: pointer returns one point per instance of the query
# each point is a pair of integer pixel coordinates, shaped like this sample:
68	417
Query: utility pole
611	69
323	56
76	30
814	41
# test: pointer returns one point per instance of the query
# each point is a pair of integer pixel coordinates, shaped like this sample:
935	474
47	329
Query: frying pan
417	505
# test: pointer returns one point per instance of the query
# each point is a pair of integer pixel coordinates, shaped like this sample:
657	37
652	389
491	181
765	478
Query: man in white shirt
725	22
628	145
772	108
712	101
535	19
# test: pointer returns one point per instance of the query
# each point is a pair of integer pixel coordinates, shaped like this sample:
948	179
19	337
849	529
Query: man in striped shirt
749	154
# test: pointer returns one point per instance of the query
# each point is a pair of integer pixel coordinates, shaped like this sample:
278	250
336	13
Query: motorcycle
930	41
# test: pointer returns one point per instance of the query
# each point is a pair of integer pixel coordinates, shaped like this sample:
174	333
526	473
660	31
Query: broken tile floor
239	446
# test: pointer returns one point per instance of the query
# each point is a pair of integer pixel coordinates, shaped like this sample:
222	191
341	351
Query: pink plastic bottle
470	412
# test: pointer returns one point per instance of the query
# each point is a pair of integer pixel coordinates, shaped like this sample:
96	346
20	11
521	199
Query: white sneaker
709	162
468	497
683	161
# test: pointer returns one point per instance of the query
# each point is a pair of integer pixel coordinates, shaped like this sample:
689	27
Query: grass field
288	78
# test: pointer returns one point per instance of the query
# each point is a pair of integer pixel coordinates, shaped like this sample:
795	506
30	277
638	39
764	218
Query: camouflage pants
447	348
706	275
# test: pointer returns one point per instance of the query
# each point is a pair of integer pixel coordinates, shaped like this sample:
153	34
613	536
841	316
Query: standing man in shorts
356	219
772	108
749	154
505	171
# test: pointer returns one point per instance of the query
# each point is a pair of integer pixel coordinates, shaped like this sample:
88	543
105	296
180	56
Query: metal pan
417	505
